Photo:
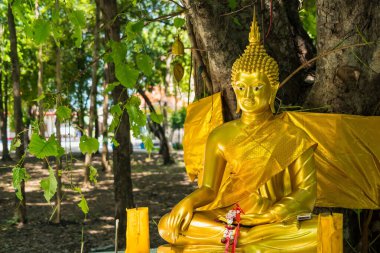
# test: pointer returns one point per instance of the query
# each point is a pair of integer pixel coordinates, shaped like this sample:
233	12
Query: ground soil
156	186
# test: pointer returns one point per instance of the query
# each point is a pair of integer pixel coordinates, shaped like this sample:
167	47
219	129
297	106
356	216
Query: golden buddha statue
258	161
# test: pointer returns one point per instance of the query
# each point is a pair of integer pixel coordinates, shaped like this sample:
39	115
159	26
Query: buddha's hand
254	219
180	217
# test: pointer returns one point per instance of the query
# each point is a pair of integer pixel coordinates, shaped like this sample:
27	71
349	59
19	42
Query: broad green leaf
137	48
138	26
110	87
19	174
78	18
83	205
88	144
77	35
148	143
93	174
49	185
126	75
119	52
232	4
41	31
116	110
16	142
179	22
114	123
145	64
41	148
137	118
42	96
115	142
158	118
63	113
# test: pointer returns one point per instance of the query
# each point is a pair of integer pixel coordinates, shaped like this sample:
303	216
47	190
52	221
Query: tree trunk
220	41
41	122
158	131
19	126
105	154
58	167
347	81
4	115
93	92
121	154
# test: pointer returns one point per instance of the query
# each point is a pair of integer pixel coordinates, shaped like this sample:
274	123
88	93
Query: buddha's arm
302	197
304	188
182	213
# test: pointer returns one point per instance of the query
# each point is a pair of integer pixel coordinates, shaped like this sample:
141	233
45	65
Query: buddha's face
253	92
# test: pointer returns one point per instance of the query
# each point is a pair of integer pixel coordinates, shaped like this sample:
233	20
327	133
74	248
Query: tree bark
58	166
219	40
19	126
105	154
40	90
347	81
121	154
93	92
158	131
4	114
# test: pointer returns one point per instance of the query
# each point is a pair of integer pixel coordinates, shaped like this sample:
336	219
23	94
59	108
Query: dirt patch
155	186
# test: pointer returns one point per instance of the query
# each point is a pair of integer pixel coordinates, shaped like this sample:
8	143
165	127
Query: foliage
49	185
19	174
88	145
308	15
178	119
41	148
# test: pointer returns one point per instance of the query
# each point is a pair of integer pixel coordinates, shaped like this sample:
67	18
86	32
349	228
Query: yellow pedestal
137	230
330	233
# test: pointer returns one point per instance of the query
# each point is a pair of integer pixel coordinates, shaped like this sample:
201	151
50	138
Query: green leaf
49	185
16	142
41	148
19	174
93	174
88	144
41	31
115	142
148	143
77	35
179	22
232	4
145	64
63	113
110	87
126	75
137	118
83	205
78	18
137	48
116	110
158	118
119	52
42	96
138	26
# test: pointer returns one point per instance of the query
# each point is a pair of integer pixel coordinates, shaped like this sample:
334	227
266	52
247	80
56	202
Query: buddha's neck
252	118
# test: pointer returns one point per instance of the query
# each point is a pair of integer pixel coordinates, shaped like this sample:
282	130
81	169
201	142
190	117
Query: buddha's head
255	76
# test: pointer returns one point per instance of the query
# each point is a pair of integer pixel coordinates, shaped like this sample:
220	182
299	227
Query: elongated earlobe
237	108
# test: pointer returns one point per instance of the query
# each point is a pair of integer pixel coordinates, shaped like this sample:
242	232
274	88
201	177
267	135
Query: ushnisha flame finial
254	34
255	58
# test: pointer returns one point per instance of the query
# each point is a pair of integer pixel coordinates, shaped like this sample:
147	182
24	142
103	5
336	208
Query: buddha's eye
241	88
258	87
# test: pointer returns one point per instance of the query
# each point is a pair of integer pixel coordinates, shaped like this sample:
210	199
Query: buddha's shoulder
287	128
226	131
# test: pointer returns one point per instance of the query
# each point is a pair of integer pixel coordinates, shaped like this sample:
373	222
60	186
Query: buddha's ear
272	99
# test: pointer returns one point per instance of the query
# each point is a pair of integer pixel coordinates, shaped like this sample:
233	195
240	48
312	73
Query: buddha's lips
248	102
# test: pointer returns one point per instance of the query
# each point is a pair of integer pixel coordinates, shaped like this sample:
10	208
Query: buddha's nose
248	92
